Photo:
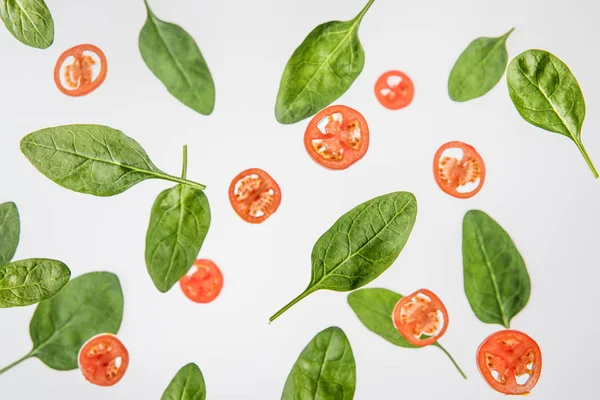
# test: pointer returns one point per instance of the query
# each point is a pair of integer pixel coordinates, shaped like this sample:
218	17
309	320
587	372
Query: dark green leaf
29	21
495	277
88	305
321	69
91	159
174	57
479	68
178	225
188	384
325	369
547	95
10	229
27	282
361	245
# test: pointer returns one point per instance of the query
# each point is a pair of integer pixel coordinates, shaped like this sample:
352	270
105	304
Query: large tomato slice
394	90
203	283
337	137
80	70
461	174
103	360
421	317
510	362
254	195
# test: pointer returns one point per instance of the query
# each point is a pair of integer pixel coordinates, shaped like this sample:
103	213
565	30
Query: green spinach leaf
321	69
92	159
495	277
547	95
374	308
179	223
10	229
361	245
27	282
174	57
188	384
479	68
29	21
324	370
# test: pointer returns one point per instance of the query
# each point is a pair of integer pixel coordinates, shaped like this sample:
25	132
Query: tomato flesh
254	195
459	177
510	362
394	90
103	360
337	137
421	313
203	283
76	78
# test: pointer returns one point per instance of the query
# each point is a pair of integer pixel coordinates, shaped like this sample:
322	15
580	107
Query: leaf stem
436	344
362	13
291	303
587	158
183	181
19	361
184	168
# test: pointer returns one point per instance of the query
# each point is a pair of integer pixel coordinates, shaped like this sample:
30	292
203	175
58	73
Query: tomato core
203	283
103	360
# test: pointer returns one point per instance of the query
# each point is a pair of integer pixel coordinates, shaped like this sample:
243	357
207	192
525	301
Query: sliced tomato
459	175
254	195
510	362
337	137
421	317
103	360
80	70
203	283
394	90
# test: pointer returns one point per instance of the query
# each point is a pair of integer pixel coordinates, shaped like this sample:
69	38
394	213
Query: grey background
538	187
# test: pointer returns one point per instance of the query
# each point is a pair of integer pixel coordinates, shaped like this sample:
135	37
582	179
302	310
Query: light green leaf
188	384
10	229
29	21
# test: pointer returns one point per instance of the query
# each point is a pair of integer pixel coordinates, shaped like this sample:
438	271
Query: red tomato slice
394	90
103	360
254	195
510	362
459	177
80	70
337	137
203	283
418	314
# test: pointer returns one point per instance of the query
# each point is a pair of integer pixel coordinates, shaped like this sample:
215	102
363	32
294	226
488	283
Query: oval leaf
479	68
179	223
320	70
188	384
29	21
495	277
174	57
325	369
88	305
361	245
547	95
27	282
10	229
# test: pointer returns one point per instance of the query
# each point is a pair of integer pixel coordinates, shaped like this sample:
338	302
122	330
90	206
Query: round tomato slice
80	70
337	137
203	282
510	362
459	175
254	195
394	90
418	314
103	360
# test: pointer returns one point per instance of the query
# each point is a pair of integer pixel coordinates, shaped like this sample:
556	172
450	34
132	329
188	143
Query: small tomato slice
337	137
510	362
254	195
103	360
461	176
80	70
203	282
418	314
394	90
